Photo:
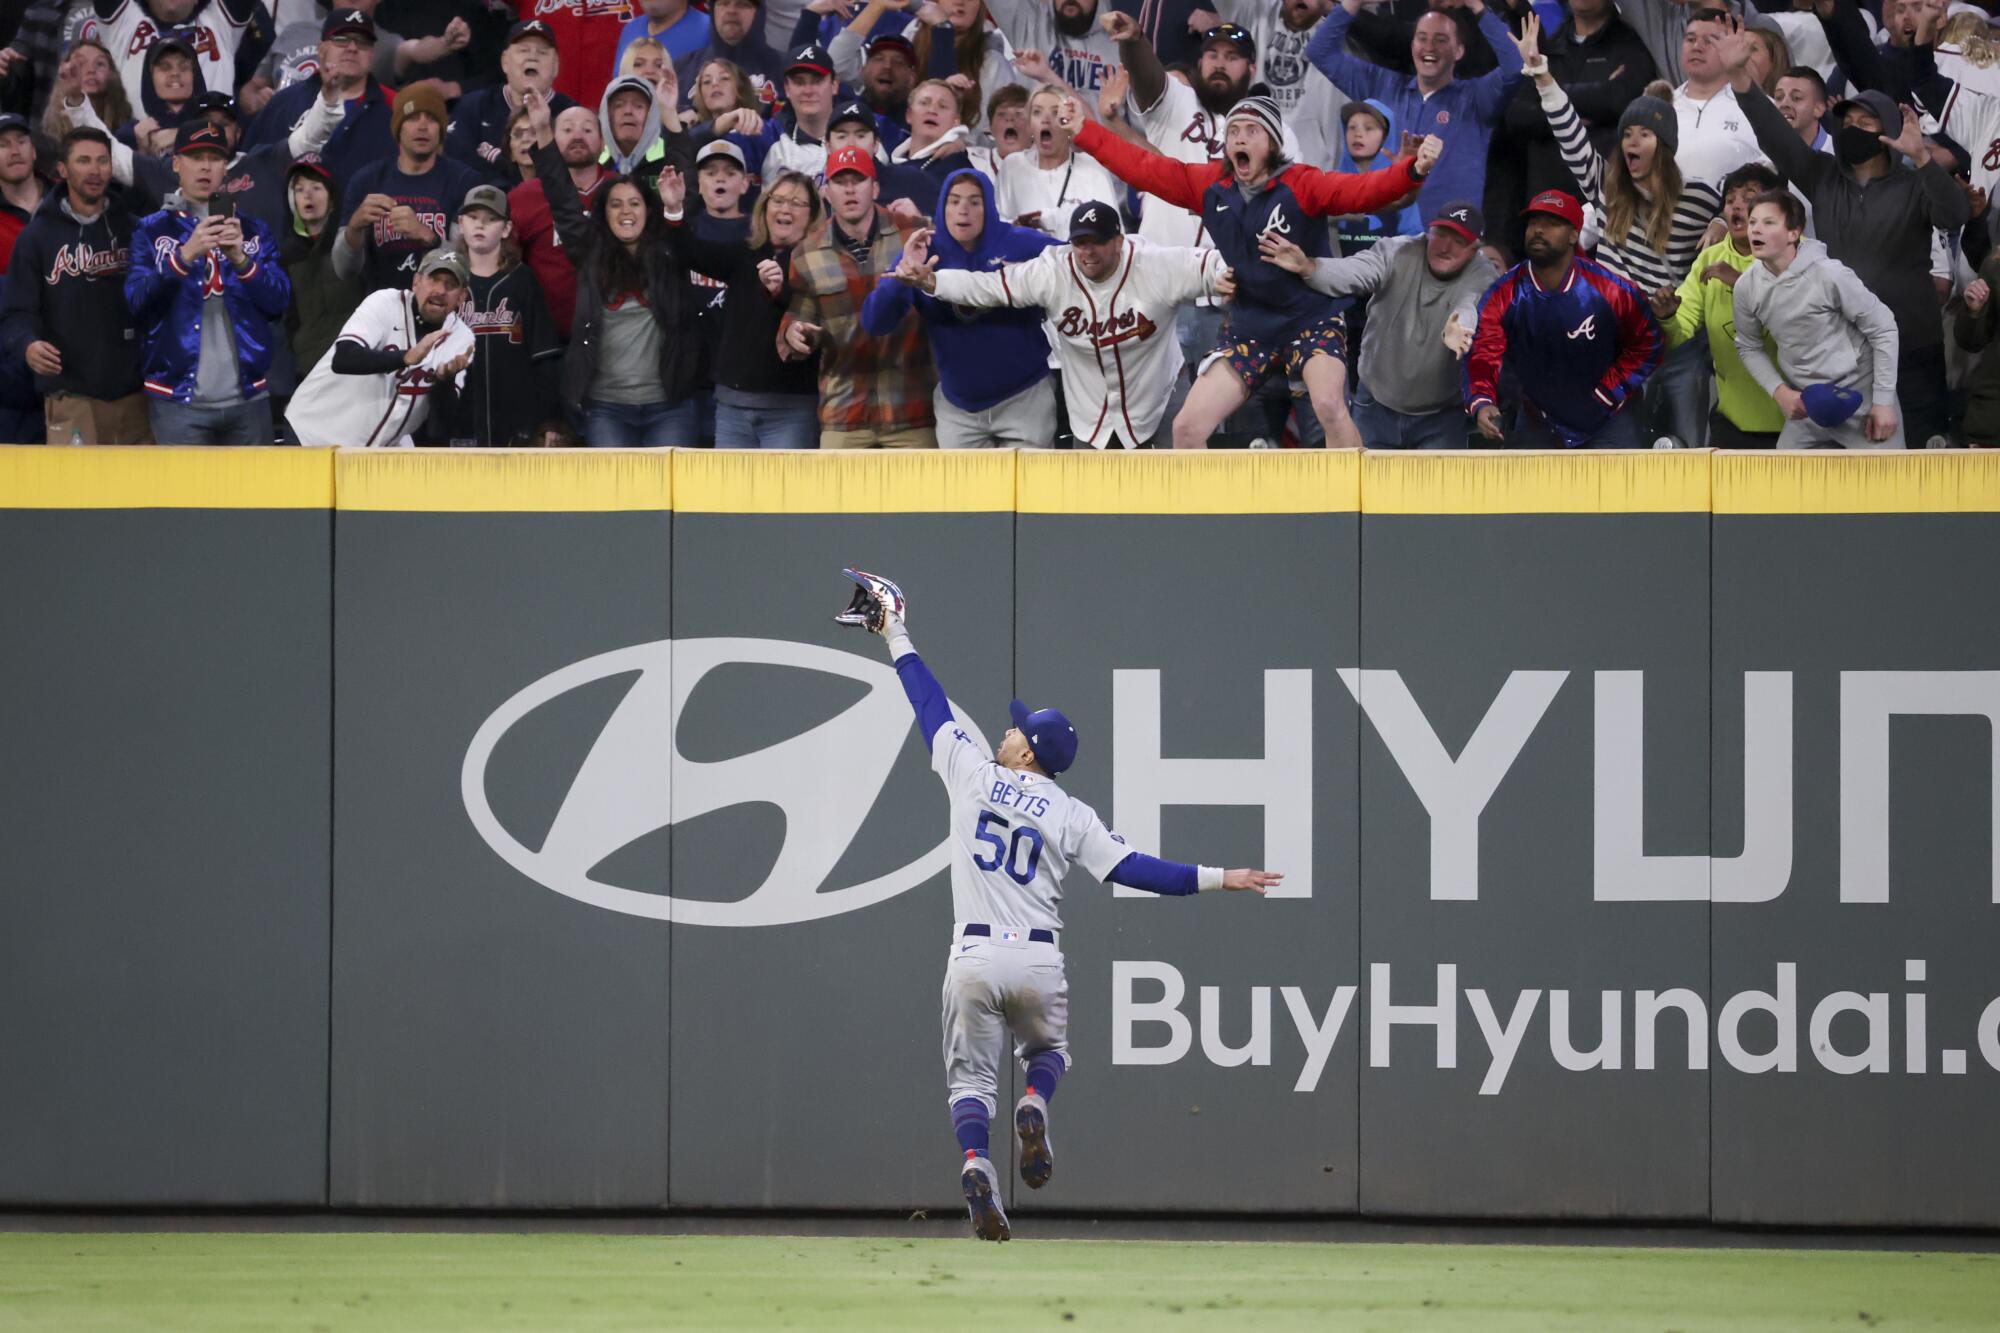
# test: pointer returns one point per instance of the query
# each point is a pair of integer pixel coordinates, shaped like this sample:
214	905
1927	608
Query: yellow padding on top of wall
788	481
1874	481
525	481
1585	482
42	477
1291	481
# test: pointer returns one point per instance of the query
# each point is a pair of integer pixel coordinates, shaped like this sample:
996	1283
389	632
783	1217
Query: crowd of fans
966	223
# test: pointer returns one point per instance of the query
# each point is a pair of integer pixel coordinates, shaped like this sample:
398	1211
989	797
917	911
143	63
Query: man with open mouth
478	133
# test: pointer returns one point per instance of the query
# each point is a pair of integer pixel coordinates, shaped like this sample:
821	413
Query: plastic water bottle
76	435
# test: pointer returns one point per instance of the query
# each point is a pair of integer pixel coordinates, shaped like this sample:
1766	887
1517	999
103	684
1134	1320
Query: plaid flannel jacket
865	382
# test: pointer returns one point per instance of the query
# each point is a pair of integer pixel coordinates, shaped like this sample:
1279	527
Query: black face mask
1855	145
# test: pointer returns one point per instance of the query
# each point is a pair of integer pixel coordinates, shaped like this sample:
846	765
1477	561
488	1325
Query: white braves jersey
1115	337
1972	119
1177	126
129	32
1014	837
365	410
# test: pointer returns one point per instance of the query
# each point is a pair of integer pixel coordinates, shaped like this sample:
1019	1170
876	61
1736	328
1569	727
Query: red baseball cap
850	159
1557	205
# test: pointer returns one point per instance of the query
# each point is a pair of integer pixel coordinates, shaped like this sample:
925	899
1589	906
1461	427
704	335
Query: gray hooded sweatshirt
649	145
1404	362
1829	328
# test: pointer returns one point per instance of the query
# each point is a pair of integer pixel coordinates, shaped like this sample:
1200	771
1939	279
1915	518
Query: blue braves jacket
983	357
1582	350
167	298
360	138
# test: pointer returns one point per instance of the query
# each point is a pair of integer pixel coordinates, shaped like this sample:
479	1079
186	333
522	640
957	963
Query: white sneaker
981	1185
1031	1127
1666	442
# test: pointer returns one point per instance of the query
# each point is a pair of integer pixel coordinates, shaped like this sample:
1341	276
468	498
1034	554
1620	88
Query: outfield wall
476	830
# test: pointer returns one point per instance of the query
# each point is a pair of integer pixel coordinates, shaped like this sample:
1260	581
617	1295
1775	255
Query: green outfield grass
216	1282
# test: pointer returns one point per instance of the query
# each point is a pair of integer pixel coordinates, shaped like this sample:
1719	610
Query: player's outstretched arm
878	606
1176	879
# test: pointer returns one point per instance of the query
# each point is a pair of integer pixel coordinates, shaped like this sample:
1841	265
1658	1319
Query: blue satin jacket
167	296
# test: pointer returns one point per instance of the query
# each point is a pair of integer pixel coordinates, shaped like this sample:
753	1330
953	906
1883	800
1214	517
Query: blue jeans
793	426
639	425
1386	428
1677	396
187	423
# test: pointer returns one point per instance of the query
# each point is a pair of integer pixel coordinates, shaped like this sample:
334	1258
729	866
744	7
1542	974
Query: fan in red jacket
1276	321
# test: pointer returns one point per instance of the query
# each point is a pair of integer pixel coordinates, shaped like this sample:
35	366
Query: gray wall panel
165	818
496	1044
1456	605
1826	598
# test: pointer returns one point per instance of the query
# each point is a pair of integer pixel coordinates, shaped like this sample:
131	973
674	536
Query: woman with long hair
86	73
630	370
761	400
1653	221
721	86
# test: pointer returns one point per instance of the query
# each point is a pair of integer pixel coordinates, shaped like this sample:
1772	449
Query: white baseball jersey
366	410
1025	186
1972	119
1013	837
1115	337
1177	126
1081	62
213	30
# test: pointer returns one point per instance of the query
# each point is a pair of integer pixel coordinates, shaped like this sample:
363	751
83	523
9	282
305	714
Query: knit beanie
421	99
1656	115
1263	113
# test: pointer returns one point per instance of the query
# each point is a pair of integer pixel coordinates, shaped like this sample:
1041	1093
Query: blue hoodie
1359	233
983	357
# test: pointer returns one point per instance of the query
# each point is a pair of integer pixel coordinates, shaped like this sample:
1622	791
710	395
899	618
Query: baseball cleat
1031	1126
982	1199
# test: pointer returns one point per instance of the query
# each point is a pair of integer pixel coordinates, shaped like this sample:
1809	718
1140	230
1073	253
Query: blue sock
972	1125
1044	1071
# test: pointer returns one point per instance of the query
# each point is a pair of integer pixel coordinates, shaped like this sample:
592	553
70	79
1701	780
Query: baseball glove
876	600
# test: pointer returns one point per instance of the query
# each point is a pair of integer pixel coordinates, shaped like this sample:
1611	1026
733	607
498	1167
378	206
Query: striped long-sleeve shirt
1630	256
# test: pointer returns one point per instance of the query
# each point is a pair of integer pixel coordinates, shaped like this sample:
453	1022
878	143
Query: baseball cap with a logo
531	28
14	121
1830	405
348	23
1050	735
444	259
892	41
1463	218
850	159
198	136
1557	205
203	103
489	197
811	56
721	150
857	111
1095	221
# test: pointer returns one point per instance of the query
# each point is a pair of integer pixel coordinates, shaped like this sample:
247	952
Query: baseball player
1014	834
1109	300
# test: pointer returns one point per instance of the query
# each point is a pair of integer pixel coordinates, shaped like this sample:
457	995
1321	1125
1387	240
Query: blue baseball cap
1830	405
1050	736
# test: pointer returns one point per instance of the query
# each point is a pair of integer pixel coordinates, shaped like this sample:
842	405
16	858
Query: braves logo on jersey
1586	330
585	9
1202	130
1126	326
1275	225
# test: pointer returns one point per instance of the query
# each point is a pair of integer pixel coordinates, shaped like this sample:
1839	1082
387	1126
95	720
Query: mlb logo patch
1012	936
